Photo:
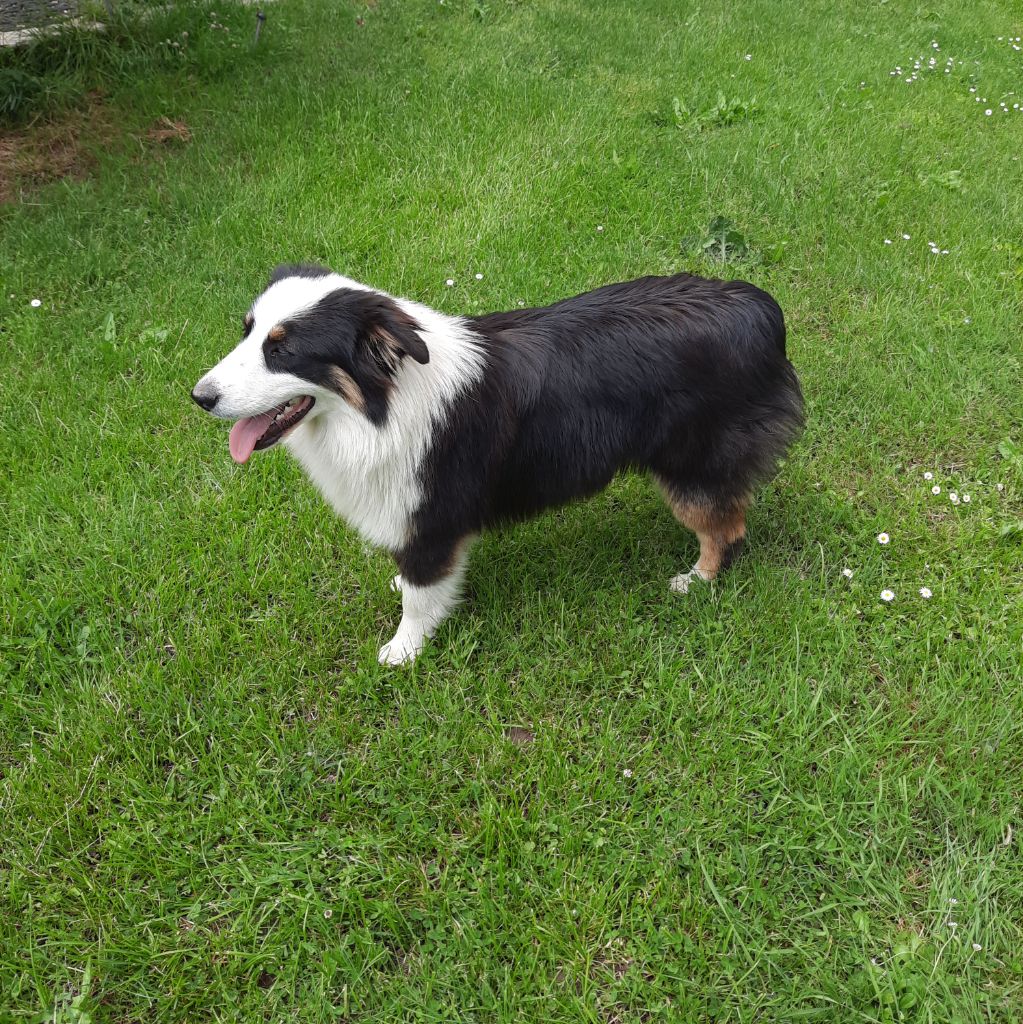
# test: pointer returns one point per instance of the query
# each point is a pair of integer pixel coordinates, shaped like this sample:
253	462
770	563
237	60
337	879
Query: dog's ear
285	270
389	333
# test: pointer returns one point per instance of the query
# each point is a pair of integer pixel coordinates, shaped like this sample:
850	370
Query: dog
423	429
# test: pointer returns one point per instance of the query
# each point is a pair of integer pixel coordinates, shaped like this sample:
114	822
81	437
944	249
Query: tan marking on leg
716	533
716	528
459	551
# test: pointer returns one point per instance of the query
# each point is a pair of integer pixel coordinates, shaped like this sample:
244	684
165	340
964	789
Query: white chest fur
375	490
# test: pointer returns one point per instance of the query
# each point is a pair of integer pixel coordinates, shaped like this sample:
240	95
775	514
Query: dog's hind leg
431	586
720	528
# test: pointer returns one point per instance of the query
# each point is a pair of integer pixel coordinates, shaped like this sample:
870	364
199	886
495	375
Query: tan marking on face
346	387
249	320
276	333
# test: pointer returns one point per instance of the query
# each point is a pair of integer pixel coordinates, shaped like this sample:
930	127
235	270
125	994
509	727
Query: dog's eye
247	325
274	343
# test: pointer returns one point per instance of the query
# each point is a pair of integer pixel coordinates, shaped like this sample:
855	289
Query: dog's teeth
287	408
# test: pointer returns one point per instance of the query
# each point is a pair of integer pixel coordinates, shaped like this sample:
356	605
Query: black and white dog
423	429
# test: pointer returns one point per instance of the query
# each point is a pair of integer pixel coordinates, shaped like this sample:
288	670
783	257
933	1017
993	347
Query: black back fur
682	376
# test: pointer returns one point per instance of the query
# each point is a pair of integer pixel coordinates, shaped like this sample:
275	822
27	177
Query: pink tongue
245	433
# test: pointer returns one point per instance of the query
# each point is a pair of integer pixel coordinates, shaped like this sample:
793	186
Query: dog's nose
205	398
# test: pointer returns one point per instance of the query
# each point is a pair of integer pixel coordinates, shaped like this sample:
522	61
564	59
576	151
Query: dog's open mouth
254	433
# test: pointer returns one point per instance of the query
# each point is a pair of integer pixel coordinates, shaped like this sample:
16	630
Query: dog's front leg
431	587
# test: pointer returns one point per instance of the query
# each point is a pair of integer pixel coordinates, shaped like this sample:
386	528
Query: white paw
400	650
396	583
680	583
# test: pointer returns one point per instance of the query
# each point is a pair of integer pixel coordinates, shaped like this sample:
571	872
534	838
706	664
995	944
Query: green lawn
775	799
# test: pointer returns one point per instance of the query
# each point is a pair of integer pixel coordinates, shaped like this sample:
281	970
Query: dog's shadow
581	564
620	547
573	551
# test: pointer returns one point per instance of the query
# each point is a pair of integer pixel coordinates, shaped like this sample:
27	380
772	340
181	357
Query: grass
139	40
590	800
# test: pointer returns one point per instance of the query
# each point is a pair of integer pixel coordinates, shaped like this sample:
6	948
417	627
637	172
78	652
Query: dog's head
312	338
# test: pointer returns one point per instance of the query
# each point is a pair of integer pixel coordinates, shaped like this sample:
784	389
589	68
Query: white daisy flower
600	228
36	303
887	241
906	237
887	595
627	773
847	573
944	252
925	592
966	319
450	281
953	901
977	947
935	489
479	277
883	538
749	56
966	499
999	487
987	113
953	497
928	475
